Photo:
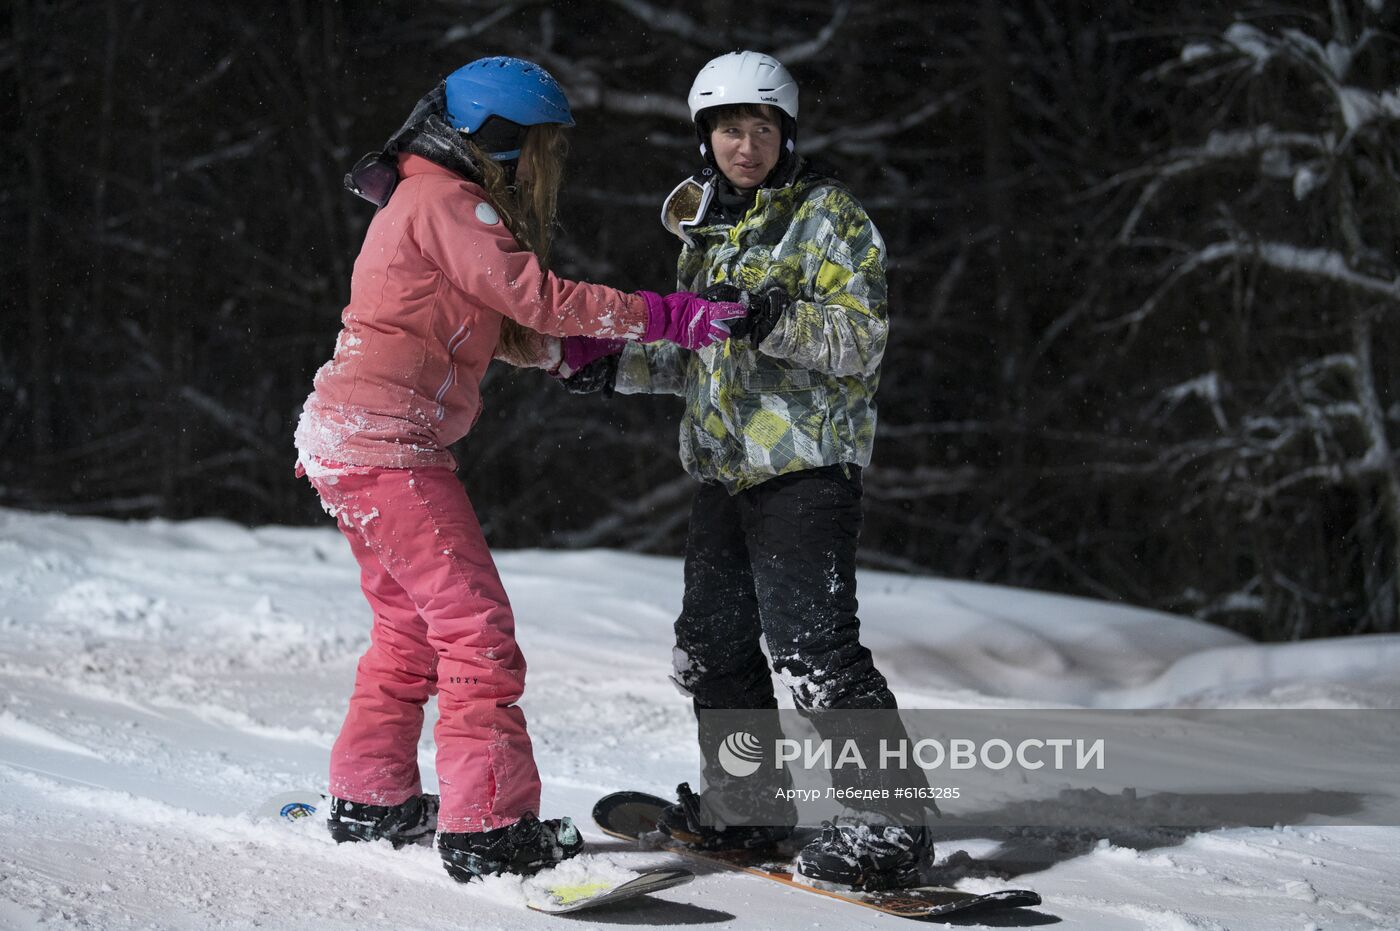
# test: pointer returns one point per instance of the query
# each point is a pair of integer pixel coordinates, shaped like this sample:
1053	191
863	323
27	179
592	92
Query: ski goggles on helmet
686	206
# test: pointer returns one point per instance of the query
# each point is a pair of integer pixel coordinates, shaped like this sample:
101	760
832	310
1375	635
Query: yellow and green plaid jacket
806	397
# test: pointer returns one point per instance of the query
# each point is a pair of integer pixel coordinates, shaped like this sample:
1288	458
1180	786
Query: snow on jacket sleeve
460	232
842	330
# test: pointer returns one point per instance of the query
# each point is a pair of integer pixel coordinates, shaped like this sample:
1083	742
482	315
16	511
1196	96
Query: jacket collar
764	200
410	165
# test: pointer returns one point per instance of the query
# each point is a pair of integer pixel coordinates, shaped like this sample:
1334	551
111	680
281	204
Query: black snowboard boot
684	822
866	857
525	847
402	824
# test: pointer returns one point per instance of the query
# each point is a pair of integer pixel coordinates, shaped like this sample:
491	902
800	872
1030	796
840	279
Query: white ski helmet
743	77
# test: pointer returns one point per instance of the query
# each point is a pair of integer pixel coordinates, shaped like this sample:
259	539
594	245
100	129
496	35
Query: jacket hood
427	133
439	143
433	103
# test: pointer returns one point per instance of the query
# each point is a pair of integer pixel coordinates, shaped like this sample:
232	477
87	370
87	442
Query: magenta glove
687	319
579	351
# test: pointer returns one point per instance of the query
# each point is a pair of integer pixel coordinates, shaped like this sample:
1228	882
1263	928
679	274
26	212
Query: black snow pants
776	561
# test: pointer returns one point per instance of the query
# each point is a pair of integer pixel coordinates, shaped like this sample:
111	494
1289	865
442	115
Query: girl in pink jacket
450	276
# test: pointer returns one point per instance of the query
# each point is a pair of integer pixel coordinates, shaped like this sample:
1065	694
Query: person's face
746	149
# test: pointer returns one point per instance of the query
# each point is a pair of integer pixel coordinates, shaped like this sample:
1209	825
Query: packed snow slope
157	680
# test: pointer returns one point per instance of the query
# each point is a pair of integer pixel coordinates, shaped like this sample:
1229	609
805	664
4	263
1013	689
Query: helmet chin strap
702	132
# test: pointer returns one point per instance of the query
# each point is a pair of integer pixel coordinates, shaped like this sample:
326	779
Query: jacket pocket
785	421
766	380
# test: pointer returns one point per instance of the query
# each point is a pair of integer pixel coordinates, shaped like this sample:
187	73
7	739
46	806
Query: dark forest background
1143	273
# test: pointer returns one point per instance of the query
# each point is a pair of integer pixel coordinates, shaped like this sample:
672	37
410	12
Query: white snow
158	680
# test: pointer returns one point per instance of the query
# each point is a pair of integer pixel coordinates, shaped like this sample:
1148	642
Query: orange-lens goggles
685	207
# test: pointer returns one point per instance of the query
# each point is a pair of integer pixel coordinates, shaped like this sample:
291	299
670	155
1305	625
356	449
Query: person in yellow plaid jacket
779	422
803	396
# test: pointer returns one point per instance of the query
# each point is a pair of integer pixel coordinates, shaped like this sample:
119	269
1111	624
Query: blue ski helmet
510	88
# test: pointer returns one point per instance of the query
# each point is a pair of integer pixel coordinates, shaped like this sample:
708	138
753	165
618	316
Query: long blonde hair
526	207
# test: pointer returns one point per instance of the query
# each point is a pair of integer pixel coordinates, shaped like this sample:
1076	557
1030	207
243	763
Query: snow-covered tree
1142	272
1267	342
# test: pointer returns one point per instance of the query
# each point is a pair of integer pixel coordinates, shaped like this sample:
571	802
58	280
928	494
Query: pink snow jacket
437	272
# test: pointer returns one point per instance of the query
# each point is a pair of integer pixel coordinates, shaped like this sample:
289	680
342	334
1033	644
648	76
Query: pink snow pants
442	624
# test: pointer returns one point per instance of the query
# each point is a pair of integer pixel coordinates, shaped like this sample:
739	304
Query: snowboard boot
866	857
524	848
401	824
683	822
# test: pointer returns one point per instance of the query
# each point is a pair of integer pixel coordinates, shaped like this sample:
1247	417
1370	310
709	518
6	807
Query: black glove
723	292
598	375
764	311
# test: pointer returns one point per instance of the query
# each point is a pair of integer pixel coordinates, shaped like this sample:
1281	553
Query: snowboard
562	898
632	816
290	806
556	898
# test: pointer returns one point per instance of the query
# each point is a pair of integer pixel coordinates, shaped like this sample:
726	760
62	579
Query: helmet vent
743	77
509	88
